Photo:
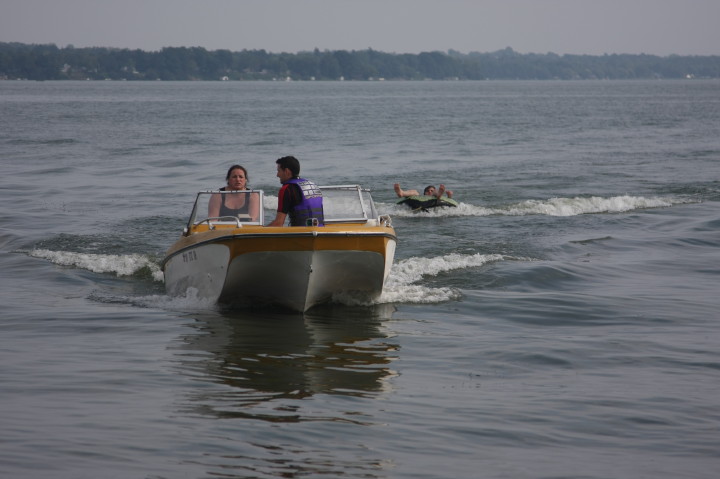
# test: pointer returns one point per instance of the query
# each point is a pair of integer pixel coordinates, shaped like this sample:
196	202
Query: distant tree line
48	62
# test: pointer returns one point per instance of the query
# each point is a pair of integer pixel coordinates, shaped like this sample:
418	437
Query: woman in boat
243	206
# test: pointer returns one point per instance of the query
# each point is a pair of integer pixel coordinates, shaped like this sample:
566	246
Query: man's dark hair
291	163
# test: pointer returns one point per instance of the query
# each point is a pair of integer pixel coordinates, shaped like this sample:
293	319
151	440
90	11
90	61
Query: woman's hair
234	167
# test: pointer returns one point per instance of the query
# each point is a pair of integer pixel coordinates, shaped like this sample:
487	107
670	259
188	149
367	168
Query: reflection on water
257	365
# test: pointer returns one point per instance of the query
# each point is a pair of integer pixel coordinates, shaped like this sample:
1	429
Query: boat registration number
189	256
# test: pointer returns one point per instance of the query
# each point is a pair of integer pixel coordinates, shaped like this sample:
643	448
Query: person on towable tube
430	198
298	198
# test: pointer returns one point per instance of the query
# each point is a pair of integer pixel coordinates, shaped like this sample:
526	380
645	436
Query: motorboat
236	260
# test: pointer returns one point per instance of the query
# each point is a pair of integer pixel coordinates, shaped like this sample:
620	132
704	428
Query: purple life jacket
311	205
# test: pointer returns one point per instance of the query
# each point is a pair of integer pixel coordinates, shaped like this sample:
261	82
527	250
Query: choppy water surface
561	322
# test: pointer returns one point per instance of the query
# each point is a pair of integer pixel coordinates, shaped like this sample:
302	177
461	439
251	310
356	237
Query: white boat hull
300	280
200	271
230	270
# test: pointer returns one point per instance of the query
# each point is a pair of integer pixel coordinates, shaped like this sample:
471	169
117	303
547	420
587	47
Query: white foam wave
585	205
400	287
270	202
121	265
550	207
412	270
462	209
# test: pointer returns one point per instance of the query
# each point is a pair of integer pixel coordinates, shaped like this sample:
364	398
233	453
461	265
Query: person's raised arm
442	190
404	193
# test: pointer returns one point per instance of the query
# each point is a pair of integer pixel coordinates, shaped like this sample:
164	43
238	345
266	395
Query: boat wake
586	205
401	285
136	265
551	207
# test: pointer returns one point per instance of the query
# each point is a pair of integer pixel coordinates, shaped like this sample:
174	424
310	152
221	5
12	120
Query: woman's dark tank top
227	211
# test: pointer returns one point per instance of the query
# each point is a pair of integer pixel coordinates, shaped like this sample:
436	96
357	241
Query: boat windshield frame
201	214
347	204
341	204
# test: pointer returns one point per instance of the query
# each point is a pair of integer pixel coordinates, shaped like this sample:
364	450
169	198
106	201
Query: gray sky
594	27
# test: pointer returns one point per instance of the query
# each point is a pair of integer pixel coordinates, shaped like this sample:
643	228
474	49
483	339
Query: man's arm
279	219
404	193
443	190
285	199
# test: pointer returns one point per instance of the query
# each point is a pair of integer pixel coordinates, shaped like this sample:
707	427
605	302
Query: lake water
562	322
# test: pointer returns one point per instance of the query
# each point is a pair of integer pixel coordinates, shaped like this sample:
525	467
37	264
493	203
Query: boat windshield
341	204
244	206
347	203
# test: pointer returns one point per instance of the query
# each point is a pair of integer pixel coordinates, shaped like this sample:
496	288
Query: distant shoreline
48	62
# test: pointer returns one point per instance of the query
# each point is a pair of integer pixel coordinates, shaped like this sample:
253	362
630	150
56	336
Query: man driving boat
299	198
